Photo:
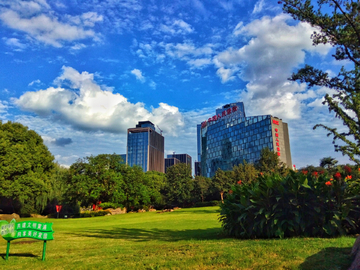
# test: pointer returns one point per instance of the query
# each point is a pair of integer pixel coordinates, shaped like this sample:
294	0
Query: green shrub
208	203
94	213
300	204
107	205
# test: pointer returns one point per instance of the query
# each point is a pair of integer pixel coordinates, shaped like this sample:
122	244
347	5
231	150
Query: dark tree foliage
26	167
223	181
269	163
328	163
94	179
135	190
156	182
338	24
179	184
201	187
245	172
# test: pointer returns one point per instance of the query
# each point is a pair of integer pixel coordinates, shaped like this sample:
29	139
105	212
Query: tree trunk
222	196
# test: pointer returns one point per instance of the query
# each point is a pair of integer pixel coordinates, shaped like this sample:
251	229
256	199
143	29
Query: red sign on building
217	117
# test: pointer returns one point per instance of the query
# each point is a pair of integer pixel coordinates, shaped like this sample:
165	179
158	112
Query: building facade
183	158
170	162
145	147
229	137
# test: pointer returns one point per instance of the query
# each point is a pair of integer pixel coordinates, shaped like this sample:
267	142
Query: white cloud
138	75
14	42
88	106
36	20
266	63
3	106
177	27
34	82
258	6
152	85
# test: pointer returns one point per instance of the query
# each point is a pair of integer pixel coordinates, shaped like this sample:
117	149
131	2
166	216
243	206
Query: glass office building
145	147
229	138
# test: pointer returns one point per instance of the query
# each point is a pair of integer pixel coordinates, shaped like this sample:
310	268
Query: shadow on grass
140	235
328	259
3	255
198	211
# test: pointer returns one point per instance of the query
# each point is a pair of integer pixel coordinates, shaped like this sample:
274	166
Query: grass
183	239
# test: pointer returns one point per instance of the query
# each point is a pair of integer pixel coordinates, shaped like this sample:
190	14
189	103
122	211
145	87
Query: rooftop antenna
160	130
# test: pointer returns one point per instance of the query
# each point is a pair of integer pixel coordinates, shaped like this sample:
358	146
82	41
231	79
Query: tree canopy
96	178
179	184
338	24
26	167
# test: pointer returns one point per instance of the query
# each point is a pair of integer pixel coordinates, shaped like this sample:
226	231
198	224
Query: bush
300	204
107	205
209	203
94	213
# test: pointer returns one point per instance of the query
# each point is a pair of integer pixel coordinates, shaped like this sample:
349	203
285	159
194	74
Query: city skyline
81	74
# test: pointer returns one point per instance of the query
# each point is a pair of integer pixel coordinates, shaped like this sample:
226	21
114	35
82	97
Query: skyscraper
145	147
228	138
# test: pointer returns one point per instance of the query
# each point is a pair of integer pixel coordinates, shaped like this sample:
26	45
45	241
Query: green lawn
183	239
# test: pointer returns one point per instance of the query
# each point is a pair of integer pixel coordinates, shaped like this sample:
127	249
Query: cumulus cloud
138	75
37	20
88	106
266	61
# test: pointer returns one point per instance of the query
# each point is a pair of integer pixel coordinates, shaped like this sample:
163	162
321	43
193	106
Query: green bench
26	229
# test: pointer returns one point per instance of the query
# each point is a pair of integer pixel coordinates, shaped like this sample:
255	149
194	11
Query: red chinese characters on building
217	117
277	137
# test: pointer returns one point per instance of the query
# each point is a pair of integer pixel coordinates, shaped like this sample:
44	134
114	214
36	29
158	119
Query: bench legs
7	250
44	250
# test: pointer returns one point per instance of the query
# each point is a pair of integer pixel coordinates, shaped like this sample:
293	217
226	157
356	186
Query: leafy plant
296	205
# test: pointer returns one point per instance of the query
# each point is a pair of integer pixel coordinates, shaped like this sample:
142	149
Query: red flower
328	183
337	175
239	182
331	179
347	169
230	191
348	177
315	174
261	173
305	172
321	172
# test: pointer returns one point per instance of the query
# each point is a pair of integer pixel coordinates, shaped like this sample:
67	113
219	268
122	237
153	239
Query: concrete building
145	147
229	137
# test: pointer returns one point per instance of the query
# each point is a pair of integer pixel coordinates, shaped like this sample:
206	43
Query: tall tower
229	137
145	147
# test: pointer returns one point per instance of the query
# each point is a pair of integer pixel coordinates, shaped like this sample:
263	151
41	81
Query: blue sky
81	72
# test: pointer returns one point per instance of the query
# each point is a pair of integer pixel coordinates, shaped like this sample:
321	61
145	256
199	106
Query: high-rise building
170	162
145	147
229	137
183	158
197	168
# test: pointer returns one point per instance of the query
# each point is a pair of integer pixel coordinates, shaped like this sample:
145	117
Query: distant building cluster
223	141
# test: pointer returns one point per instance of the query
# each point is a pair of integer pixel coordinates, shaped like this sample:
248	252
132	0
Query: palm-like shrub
300	204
